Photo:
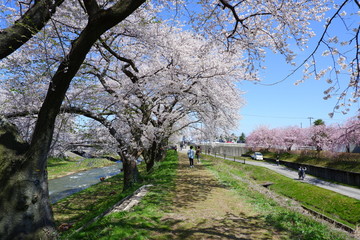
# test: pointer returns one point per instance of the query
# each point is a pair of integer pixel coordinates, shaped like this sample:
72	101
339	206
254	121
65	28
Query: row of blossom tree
319	137
126	66
138	89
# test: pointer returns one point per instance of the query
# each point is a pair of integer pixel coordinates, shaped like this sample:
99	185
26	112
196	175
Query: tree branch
91	7
116	55
236	16
28	25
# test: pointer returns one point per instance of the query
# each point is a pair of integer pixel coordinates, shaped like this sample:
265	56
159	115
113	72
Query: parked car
257	156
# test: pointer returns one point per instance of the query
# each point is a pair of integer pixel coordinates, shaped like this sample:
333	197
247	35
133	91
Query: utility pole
310	120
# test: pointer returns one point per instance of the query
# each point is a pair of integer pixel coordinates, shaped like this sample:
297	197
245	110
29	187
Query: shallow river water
62	187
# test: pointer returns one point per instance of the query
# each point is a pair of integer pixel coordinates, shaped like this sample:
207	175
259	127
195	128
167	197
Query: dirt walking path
205	209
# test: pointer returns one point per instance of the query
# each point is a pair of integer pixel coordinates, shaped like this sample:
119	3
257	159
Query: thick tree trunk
149	156
25	209
155	153
25	212
161	150
131	172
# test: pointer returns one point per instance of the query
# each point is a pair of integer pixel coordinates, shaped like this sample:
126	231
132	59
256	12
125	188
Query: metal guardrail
226	156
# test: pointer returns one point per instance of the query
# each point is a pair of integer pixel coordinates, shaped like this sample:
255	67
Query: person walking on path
303	169
191	154
299	172
198	151
302	173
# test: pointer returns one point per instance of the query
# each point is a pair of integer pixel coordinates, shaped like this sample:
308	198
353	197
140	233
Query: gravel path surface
204	209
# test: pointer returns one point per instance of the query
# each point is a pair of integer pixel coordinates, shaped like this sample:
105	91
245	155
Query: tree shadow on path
193	185
203	208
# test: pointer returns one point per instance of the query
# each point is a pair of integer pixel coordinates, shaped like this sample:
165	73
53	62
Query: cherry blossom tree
262	137
347	134
288	137
319	136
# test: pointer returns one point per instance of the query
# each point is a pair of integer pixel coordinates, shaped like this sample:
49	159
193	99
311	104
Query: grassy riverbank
78	209
59	167
213	200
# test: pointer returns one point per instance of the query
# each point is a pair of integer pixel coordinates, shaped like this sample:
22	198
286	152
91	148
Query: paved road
290	173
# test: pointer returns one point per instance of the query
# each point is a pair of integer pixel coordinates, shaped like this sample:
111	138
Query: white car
257	156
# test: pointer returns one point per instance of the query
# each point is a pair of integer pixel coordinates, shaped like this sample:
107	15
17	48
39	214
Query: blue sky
285	104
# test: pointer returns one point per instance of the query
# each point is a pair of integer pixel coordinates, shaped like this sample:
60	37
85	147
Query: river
62	187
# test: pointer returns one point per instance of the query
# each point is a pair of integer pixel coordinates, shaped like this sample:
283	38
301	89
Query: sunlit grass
84	206
336	206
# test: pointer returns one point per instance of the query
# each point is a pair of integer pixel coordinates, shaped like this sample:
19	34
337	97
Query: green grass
336	206
81	207
59	167
123	225
298	226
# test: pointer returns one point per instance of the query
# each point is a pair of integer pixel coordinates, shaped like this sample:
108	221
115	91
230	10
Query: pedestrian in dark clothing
303	169
198	151
302	172
191	155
